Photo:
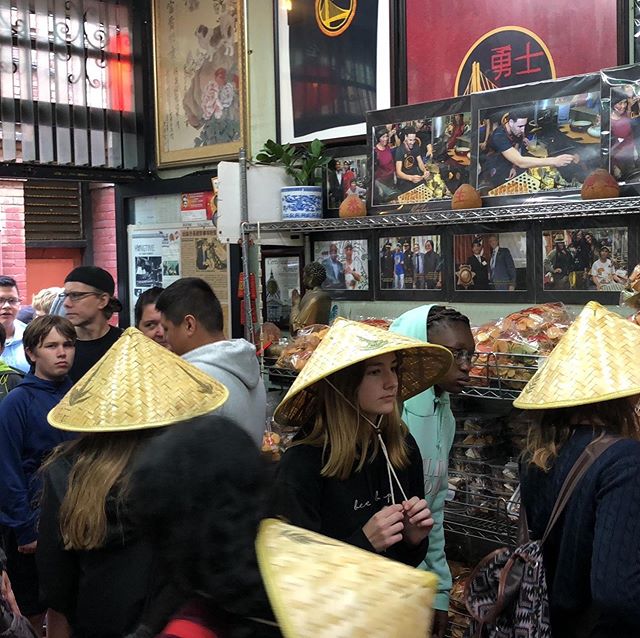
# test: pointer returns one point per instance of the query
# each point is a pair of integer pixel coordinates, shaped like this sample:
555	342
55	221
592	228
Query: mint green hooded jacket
431	422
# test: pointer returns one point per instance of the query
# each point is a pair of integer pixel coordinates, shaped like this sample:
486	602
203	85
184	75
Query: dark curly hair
197	493
441	316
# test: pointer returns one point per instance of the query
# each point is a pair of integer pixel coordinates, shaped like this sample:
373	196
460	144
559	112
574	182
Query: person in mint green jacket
431	422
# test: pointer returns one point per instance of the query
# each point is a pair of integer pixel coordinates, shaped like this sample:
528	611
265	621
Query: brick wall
12	248
103	207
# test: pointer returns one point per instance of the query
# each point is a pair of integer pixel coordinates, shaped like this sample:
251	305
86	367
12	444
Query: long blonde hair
100	464
344	435
551	429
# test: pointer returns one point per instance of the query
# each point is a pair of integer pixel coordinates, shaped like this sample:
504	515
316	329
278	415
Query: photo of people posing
410	263
491	261
593	259
624	150
346	263
419	160
346	176
547	145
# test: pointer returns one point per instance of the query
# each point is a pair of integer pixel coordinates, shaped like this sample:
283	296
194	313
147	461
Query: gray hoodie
234	363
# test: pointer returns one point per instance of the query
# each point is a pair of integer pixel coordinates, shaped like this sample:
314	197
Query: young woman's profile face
378	389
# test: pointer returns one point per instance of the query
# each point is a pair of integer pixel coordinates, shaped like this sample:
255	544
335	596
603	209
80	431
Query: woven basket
322	588
349	342
137	384
596	360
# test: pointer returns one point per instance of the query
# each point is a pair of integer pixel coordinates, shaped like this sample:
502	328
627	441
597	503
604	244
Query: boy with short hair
26	438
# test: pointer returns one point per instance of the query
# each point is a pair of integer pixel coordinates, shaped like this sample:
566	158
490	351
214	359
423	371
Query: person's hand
7	594
562	160
512	288
417	178
558	270
440	623
385	528
30	548
417	520
513	172
526	141
295	297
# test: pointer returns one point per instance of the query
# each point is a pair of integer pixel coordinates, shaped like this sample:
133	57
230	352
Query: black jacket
340	509
101	592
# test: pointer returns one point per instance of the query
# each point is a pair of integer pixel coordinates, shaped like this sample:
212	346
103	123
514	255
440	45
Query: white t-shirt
602	272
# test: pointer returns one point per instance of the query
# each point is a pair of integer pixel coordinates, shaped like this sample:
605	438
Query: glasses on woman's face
461	356
77	296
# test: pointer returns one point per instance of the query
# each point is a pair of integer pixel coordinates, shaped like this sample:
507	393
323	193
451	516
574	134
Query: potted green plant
305	164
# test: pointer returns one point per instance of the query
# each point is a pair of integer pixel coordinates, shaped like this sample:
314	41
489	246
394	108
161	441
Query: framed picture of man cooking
548	144
419	153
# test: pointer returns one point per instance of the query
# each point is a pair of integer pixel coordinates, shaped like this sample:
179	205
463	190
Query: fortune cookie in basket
348	342
137	384
596	360
323	588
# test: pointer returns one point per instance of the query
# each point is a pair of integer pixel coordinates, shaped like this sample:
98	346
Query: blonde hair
553	428
100	467
43	300
348	439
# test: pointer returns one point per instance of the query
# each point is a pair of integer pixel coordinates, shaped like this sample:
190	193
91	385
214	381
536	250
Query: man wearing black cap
89	304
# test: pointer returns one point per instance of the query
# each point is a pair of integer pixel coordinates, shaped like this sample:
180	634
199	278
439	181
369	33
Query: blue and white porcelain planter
301	202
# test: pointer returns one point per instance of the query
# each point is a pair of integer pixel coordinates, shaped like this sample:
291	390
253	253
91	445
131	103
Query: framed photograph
621	122
346	261
199	65
329	74
547	144
410	265
419	153
476	50
346	174
281	275
585	257
491	261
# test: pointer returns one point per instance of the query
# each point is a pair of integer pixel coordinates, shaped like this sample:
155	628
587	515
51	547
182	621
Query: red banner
445	38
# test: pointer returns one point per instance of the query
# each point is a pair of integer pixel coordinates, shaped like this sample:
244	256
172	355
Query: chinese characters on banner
483	47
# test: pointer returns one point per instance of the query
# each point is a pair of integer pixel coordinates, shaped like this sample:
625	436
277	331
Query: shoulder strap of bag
579	469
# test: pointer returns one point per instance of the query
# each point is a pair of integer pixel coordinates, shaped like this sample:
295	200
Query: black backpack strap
579	469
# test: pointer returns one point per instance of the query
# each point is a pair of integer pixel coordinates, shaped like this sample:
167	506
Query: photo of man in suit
479	266
334	269
502	270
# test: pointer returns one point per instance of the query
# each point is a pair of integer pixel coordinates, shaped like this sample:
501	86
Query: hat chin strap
391	472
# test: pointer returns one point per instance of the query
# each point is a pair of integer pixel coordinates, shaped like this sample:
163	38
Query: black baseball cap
98	278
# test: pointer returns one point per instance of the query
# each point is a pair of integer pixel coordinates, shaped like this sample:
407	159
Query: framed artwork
621	122
480	49
419	153
199	70
410	265
281	275
329	74
345	258
347	173
491	261
538	139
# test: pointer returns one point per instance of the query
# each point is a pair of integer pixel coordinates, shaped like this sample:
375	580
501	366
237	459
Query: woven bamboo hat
137	384
322	588
348	342
596	360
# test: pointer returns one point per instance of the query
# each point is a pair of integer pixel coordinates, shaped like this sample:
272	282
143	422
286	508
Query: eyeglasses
12	301
461	356
76	296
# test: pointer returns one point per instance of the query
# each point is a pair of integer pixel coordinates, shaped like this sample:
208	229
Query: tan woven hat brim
322	588
596	360
631	299
348	342
137	384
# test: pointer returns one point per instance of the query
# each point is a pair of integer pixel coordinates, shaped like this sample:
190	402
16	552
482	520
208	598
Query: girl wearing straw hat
354	471
589	385
95	570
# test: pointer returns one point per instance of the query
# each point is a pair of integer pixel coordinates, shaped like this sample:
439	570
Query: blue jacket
430	420
25	439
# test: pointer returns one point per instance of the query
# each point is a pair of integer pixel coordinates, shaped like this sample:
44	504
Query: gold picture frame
200	80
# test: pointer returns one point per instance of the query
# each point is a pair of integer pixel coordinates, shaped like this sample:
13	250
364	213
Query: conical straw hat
348	342
596	360
137	384
323	588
